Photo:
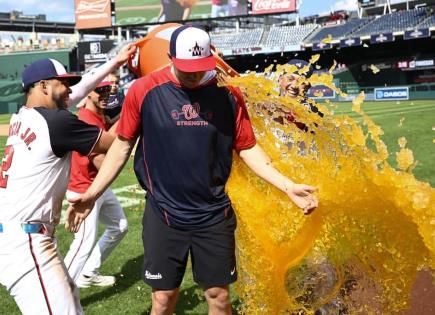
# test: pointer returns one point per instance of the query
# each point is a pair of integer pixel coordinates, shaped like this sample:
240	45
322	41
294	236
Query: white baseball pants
33	271
85	258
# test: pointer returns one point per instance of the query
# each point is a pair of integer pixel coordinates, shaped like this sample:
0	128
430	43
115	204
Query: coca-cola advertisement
272	6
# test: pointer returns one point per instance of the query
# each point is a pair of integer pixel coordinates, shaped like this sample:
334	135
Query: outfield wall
11	67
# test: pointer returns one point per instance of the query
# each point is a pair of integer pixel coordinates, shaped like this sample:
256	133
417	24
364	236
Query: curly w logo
190	111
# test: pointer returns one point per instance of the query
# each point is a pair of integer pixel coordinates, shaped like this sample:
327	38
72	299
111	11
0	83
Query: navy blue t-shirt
187	136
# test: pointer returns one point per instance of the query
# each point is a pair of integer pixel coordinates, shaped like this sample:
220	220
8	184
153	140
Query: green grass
4	119
416	128
132	296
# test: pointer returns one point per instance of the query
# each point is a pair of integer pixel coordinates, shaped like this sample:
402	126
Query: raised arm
90	80
260	164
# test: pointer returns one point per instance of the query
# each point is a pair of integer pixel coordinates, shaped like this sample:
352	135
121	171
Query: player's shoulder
236	94
55	114
151	80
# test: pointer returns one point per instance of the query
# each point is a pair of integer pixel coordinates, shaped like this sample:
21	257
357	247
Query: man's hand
302	196
79	209
125	52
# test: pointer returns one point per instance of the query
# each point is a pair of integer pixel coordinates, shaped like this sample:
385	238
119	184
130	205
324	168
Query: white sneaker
96	279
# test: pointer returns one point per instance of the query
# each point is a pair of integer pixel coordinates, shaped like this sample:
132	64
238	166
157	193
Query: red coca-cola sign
272	6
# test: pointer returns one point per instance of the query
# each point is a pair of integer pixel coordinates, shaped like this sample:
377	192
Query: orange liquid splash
360	251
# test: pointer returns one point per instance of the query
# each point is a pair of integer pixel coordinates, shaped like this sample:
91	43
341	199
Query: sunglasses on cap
103	89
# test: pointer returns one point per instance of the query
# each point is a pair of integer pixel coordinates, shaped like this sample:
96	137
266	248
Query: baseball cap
189	48
45	69
299	63
103	86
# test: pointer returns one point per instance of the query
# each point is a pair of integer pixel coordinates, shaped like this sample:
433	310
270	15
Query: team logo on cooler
149	275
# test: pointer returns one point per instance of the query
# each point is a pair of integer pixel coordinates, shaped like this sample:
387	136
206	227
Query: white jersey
35	168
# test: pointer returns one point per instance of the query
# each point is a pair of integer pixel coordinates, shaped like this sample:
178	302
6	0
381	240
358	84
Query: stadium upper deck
250	35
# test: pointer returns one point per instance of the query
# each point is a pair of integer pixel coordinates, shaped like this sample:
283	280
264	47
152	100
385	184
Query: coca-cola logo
273	5
92	6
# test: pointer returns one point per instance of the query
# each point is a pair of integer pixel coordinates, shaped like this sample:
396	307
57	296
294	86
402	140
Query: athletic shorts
212	252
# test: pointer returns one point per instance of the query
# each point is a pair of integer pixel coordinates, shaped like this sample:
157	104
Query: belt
28	228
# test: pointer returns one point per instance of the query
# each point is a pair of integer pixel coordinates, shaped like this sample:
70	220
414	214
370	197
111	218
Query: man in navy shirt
116	99
188	128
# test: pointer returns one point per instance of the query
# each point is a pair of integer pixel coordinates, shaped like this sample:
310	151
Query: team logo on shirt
191	112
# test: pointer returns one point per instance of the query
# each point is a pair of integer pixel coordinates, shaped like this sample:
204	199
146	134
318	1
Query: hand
302	196
79	209
112	121
125	53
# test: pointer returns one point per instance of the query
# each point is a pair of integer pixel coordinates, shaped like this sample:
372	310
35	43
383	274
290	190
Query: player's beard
60	100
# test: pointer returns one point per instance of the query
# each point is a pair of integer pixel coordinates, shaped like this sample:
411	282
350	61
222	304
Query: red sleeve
91	118
244	135
129	122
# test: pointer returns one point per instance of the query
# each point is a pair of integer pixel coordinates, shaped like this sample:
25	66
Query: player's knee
218	296
163	300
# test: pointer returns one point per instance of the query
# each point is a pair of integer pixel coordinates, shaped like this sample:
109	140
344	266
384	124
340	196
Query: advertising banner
93	14
272	6
94	51
381	38
392	94
367	3
259	50
321	46
350	42
421	33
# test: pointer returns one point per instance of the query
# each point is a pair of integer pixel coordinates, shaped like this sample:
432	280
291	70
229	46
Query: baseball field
411	119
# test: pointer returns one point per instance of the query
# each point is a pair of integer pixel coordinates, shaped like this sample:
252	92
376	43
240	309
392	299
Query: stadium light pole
298	6
387	5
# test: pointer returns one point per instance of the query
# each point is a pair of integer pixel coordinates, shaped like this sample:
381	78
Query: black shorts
212	251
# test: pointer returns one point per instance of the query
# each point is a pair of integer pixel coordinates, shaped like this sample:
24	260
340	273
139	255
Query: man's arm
115	160
97	160
106	139
260	164
90	80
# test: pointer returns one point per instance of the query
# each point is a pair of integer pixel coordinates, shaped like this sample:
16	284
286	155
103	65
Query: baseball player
116	99
188	128
33	180
81	263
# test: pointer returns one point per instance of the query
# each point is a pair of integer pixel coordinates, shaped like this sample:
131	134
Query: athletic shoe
96	279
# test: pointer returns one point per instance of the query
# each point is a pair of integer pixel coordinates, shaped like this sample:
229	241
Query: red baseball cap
103	84
190	51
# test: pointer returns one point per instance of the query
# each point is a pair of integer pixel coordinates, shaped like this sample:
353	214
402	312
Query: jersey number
6	164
